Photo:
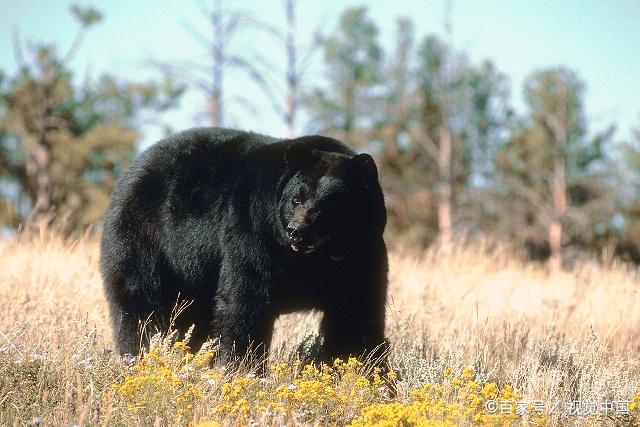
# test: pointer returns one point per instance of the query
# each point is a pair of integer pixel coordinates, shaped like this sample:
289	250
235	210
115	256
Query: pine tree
62	145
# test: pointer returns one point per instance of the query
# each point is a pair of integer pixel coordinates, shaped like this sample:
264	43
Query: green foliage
489	115
62	146
353	56
354	52
555	100
555	131
86	15
423	89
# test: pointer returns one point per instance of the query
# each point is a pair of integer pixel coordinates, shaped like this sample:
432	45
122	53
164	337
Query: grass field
472	327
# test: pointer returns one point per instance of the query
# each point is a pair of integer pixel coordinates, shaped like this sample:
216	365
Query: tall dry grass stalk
554	335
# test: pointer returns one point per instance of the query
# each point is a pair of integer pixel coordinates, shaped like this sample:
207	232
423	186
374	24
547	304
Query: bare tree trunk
558	126
559	194
40	152
349	114
445	186
292	72
445	191
36	180
209	79
43	200
216	112
555	241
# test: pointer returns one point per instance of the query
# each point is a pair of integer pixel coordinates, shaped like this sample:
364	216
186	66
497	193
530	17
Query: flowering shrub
167	380
171	380
293	392
458	400
170	385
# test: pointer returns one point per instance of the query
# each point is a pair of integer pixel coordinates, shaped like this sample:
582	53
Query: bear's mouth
308	248
305	249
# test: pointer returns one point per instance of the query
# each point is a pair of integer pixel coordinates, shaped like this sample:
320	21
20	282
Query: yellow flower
490	391
467	374
179	345
473	385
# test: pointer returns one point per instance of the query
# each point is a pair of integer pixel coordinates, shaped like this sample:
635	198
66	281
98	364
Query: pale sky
598	39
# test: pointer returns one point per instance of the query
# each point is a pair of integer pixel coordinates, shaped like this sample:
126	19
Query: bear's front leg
242	318
353	328
354	312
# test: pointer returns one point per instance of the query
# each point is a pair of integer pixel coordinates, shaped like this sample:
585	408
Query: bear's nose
294	233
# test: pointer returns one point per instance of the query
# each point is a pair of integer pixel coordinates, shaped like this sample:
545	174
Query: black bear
246	227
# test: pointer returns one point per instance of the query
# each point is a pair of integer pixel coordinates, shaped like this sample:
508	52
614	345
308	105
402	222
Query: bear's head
331	202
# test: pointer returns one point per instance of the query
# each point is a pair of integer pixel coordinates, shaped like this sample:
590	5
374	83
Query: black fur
247	227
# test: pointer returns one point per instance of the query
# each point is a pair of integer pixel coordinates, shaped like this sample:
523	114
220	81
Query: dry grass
555	336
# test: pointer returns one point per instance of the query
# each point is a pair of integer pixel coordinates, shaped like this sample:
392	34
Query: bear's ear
363	168
296	154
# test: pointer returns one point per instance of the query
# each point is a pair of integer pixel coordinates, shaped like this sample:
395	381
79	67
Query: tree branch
257	77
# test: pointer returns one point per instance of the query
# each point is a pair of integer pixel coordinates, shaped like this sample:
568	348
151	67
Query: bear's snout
302	238
299	236
294	234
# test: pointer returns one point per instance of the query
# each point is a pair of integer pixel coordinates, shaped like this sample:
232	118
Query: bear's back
180	172
198	146
186	160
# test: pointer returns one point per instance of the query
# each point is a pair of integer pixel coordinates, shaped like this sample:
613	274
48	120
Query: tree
280	85
225	25
398	101
405	179
293	76
352	57
463	111
408	118
62	146
296	67
488	116
436	93
547	163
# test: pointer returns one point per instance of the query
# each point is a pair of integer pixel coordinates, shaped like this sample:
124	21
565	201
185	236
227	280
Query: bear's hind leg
127	332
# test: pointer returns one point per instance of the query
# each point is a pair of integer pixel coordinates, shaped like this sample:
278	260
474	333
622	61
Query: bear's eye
296	201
